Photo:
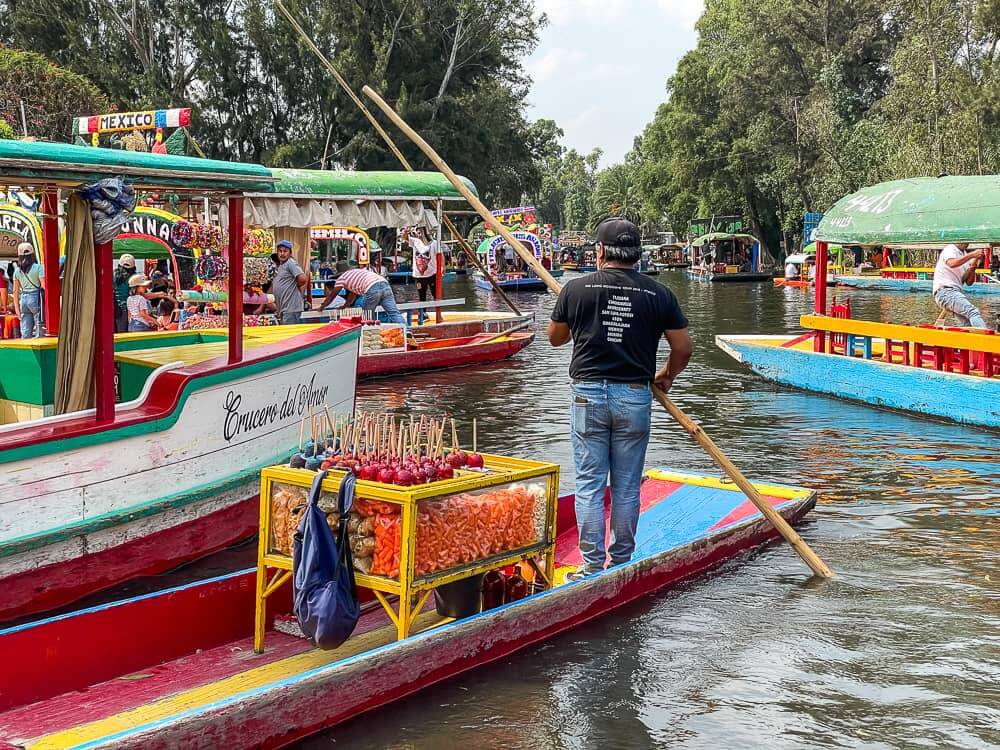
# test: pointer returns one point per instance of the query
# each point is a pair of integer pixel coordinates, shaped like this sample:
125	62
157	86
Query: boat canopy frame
296	195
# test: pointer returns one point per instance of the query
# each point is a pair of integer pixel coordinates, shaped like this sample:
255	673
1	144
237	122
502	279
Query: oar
791	536
392	147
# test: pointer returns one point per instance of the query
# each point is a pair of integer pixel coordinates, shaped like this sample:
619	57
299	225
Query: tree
50	96
453	68
616	193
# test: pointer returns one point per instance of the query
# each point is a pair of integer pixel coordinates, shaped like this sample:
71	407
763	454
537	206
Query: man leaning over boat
615	318
956	266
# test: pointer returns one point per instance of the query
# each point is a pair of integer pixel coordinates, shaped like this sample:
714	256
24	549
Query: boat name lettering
151	226
14	224
873	204
299	399
127	121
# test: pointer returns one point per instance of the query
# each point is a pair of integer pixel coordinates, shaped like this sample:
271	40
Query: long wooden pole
390	143
722	460
461	187
791	536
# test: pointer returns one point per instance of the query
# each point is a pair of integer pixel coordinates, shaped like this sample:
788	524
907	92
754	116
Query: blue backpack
326	600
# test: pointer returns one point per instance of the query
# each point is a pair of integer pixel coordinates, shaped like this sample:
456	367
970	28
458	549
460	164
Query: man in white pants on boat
615	318
954	266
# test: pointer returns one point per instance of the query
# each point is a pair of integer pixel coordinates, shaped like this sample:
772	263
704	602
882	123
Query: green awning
315	183
721	237
33	162
919	212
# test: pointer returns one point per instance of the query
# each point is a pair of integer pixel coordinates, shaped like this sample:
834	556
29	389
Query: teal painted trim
959	398
165	423
61	533
921	286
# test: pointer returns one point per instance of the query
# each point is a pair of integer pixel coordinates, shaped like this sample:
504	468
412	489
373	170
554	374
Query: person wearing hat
140	317
371	287
28	276
290	285
125	271
615	318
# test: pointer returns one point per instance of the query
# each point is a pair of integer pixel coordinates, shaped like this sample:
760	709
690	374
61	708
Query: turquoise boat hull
966	399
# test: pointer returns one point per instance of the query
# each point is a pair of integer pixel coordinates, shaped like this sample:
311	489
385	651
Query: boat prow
177	668
792	360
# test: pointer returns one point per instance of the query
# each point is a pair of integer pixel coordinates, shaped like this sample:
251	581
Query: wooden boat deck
71	707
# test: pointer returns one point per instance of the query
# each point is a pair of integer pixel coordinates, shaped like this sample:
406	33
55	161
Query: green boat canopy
291	198
365	185
721	237
26	163
919	212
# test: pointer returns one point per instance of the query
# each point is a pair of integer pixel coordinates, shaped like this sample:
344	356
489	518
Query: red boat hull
49	663
375	365
53	586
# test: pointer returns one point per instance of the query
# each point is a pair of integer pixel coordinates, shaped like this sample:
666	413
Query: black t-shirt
617	318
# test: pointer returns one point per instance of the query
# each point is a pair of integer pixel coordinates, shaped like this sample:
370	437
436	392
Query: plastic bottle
493	589
517	587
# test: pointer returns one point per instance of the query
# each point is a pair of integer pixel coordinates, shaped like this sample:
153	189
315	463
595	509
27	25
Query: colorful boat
161	468
949	373
178	668
518	281
724	257
441	351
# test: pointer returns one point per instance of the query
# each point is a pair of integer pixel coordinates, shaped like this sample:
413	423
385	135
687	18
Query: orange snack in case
457	530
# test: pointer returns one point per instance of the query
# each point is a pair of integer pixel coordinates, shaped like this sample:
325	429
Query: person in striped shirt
373	290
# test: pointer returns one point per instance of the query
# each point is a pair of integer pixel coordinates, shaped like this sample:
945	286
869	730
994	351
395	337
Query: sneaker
578	575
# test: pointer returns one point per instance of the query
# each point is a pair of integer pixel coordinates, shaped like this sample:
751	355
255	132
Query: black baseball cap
619	232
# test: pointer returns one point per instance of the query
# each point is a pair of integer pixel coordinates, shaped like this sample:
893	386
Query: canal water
901	650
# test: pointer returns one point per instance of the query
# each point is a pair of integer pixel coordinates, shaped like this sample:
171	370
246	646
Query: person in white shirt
956	266
791	271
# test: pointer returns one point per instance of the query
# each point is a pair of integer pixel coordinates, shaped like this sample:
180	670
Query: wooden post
235	253
50	262
104	338
819	302
439	265
810	557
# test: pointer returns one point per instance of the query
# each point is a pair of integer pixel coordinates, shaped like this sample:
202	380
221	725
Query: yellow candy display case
407	541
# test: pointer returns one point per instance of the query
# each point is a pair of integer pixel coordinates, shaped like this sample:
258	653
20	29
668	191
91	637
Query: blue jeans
381	295
31	317
951	299
609	426
291	317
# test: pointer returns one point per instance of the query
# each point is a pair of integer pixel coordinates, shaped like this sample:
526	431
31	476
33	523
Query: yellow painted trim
977	342
221	690
771	490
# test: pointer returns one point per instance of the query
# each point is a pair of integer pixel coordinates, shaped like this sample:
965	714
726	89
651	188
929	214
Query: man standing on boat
956	266
615	318
289	286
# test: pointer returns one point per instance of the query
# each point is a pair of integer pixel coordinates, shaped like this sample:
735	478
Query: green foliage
453	68
50	95
616	193
784	107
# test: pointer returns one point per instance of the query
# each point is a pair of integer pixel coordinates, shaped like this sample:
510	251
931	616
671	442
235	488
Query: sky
601	67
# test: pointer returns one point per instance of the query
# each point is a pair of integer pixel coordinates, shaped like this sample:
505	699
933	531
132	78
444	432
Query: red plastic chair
838	341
